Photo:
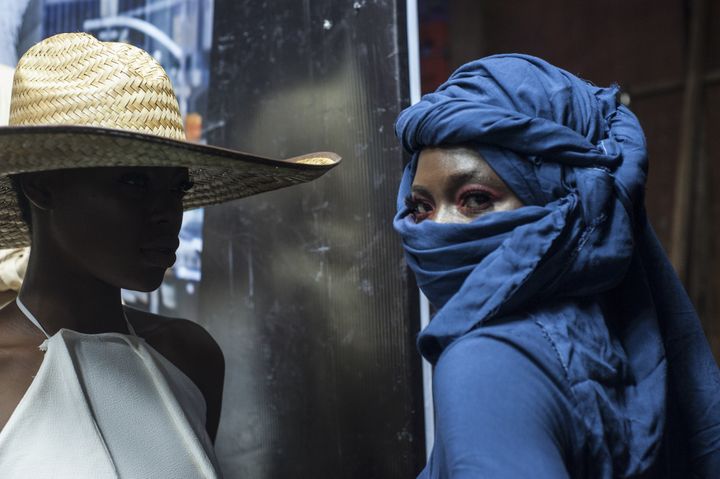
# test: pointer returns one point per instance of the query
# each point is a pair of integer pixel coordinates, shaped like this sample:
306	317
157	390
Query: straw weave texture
73	79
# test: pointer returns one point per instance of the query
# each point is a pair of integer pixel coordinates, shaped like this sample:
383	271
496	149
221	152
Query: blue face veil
580	254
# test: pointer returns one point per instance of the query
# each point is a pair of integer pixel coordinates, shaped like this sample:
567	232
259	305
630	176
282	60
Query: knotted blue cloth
579	261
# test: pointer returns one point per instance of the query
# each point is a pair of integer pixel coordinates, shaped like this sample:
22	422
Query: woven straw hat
79	102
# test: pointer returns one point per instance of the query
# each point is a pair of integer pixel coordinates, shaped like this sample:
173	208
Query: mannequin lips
160	253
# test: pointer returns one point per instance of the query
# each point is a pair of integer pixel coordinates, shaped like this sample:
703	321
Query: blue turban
579	260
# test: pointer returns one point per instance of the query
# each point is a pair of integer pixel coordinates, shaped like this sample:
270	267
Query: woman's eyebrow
457	180
421	190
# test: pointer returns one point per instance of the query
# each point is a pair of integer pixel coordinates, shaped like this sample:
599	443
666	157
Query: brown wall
643	46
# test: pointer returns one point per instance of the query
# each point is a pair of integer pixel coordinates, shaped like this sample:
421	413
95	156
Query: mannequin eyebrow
178	175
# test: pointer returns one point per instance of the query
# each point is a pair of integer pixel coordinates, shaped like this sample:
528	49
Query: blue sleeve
499	415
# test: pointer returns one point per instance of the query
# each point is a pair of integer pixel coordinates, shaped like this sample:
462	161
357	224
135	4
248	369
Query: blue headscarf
580	247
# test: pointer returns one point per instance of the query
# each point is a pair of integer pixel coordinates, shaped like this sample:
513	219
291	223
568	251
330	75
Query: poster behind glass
178	33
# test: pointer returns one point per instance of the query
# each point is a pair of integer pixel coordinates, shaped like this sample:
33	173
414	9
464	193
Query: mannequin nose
166	208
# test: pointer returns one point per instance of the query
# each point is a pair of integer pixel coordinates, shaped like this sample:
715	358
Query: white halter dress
106	406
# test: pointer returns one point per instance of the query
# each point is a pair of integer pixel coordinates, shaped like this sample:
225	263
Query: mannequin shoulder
192	350
186	344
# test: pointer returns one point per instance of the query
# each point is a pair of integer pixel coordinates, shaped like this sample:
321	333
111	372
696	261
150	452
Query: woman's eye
419	208
476	201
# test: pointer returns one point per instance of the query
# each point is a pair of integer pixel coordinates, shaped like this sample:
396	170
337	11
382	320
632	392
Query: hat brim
219	174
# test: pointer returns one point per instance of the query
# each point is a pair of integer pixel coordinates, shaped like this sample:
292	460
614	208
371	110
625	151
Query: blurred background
305	289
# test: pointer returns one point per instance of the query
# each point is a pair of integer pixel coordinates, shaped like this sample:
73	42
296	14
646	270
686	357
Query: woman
563	344
95	166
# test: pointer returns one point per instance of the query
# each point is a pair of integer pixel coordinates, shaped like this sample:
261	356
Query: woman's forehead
441	163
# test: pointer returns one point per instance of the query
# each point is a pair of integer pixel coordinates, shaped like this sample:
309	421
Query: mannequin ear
37	189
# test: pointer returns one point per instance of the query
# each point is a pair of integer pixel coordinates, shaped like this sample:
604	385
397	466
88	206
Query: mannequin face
456	185
117	224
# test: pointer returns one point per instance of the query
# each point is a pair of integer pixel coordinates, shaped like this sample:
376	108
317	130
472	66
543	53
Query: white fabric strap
130	326
30	316
33	319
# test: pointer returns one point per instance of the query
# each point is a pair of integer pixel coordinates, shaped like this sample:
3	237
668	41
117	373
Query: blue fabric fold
579	258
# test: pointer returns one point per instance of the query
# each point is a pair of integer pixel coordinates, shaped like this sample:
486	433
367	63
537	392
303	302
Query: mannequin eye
183	188
137	180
